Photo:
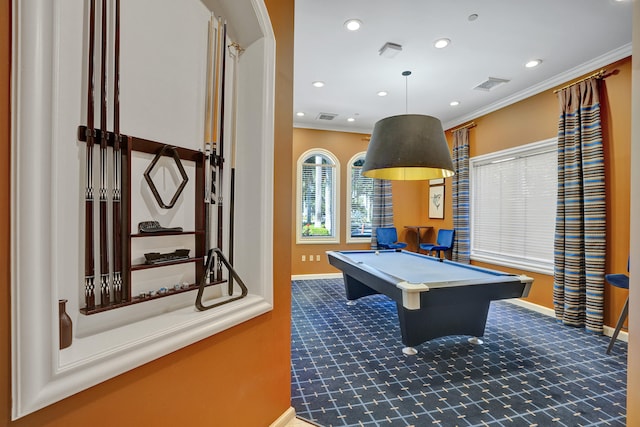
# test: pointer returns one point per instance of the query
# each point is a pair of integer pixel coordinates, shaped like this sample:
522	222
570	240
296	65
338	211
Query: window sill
366	239
520	265
316	240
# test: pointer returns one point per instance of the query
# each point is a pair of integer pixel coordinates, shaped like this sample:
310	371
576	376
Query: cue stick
89	267
220	147
104	244
117	164
208	135
232	192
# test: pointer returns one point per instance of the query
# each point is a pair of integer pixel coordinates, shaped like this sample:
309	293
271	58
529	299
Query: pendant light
408	147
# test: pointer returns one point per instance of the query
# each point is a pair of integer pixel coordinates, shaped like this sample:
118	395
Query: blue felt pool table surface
421	269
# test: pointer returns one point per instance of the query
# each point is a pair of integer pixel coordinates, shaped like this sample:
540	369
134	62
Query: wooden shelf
130	144
167	233
138	299
138	267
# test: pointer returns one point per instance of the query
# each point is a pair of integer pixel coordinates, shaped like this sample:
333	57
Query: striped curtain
461	251
382	208
579	248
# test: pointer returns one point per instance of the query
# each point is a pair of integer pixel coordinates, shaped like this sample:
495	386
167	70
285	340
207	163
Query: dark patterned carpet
348	368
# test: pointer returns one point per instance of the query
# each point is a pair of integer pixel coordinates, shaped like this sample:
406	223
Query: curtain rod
468	125
596	75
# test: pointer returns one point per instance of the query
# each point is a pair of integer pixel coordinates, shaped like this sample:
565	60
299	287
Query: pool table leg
439	320
355	289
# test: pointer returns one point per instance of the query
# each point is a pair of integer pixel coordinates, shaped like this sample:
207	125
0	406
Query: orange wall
240	377
527	121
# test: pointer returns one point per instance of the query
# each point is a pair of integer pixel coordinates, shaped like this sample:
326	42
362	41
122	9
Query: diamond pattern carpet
348	368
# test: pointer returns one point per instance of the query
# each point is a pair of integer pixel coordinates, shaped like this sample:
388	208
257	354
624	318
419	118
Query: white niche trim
48	104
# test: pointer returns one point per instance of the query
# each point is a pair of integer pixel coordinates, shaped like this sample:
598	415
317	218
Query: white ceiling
572	37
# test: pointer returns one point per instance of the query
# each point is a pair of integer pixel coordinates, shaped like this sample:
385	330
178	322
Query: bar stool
619	281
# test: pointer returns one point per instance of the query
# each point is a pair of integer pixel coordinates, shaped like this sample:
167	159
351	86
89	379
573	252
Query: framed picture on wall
438	181
436	202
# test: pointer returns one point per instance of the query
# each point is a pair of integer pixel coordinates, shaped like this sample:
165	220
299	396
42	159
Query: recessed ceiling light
533	63
382	93
353	24
441	43
454	103
472	17
318	83
351	119
300	114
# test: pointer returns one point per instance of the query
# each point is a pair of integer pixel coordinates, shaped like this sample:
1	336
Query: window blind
317	198
361	202
513	207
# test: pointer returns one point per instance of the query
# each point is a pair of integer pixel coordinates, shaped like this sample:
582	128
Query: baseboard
622	335
316	276
531	306
284	419
607	330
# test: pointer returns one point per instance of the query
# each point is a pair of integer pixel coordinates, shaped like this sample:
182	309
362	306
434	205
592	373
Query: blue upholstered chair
444	242
387	238
619	281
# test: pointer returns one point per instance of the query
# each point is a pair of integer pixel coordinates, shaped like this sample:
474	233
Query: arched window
317	198
359	202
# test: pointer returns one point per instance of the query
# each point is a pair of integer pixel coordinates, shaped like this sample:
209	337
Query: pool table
435	297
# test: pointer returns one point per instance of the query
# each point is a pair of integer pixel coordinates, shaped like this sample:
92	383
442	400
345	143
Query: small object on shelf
158	258
185	285
155	227
162	291
66	326
176	287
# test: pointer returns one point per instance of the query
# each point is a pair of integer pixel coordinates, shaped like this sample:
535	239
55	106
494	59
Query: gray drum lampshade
408	147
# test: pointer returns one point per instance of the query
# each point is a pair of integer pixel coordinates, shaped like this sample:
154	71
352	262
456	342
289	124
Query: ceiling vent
326	116
490	84
390	50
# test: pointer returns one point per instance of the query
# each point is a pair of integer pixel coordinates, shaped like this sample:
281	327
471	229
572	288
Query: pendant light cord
406	75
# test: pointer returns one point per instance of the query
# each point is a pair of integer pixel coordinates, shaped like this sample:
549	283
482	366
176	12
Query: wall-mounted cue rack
129	144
